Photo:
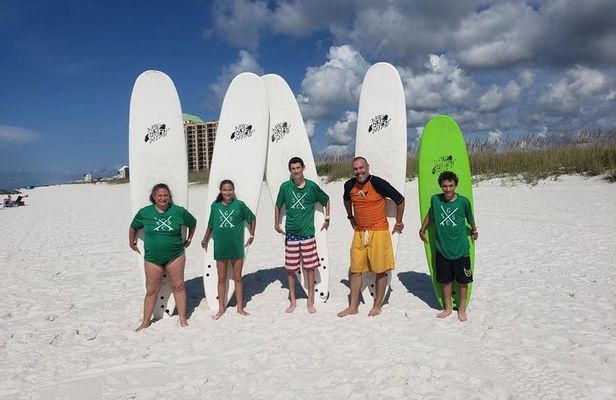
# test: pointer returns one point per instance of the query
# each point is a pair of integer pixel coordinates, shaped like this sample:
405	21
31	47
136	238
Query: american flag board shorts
300	250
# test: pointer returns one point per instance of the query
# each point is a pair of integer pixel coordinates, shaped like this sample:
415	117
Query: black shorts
447	270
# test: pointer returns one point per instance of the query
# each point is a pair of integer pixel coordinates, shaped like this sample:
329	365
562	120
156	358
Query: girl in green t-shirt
226	226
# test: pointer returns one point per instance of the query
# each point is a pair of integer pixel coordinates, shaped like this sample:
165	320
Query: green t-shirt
227	225
300	205
449	220
162	232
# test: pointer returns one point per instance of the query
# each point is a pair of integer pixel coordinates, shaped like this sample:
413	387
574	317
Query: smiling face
228	192
162	198
448	186
297	171
361	170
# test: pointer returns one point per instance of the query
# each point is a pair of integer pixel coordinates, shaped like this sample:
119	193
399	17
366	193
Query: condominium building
200	136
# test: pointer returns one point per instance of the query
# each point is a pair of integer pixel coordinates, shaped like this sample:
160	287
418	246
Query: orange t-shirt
369	203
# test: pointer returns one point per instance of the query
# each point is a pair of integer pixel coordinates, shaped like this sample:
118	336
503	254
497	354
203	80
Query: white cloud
569	93
442	83
334	85
495	136
343	131
497	98
240	22
336	150
14	135
246	63
310	127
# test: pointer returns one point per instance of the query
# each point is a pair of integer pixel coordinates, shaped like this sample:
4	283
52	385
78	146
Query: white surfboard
239	154
287	139
382	140
157	154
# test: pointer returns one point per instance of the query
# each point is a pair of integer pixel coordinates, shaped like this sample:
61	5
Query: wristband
327	218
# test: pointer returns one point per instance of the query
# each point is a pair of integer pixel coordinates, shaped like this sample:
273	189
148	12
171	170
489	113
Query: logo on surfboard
156	132
443	163
379	122
242	131
280	130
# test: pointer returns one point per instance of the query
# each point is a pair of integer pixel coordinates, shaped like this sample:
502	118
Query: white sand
542	318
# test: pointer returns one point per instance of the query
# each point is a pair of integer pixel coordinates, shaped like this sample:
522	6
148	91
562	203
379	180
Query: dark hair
156	188
224	182
296	160
360	158
447	176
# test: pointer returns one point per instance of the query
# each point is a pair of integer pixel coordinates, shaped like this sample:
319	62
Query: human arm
399	226
251	229
327	217
348	205
277	226
424	226
206	238
132	239
191	232
474	233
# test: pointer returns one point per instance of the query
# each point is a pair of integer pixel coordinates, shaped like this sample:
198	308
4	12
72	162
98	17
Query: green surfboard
442	148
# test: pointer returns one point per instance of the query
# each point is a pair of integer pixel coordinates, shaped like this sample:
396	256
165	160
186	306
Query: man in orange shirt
371	250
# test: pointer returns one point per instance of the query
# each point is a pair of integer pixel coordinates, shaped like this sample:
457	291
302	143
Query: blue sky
501	68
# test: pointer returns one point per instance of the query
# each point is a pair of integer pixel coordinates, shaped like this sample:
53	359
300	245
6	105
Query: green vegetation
528	159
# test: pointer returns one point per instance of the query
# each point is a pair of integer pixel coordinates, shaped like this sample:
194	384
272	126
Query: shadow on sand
420	284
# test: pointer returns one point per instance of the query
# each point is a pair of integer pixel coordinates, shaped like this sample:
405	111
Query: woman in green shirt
163	249
226	226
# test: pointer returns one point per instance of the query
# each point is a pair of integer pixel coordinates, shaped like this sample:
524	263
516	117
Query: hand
187	242
279	229
249	241
398	227
422	236
134	247
325	224
474	235
204	244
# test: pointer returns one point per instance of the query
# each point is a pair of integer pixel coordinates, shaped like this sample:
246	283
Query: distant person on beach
164	249
226	226
299	195
371	250
8	201
448	212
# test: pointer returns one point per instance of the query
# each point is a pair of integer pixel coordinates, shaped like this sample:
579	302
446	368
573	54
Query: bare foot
462	316
311	309
347	311
243	312
143	326
374	312
219	314
184	324
444	314
291	308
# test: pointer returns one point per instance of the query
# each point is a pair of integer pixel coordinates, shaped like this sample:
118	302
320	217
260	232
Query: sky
502	69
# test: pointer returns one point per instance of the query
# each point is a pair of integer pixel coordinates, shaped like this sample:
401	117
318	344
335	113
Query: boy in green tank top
449	213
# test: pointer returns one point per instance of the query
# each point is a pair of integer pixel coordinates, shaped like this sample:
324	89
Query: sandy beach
542	320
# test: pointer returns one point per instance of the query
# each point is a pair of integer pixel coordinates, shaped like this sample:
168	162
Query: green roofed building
200	136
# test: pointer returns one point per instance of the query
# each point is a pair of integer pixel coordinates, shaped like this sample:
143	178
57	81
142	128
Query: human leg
291	284
462	306
447	300
153	280
310	287
355	285
221	267
381	285
175	275
239	286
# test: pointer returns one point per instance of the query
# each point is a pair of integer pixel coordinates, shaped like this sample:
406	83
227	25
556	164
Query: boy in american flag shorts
299	195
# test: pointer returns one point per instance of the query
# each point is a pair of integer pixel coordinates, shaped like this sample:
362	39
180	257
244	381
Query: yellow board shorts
372	251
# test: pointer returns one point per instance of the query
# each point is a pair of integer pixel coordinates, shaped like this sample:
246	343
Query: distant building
200	136
87	177
122	172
